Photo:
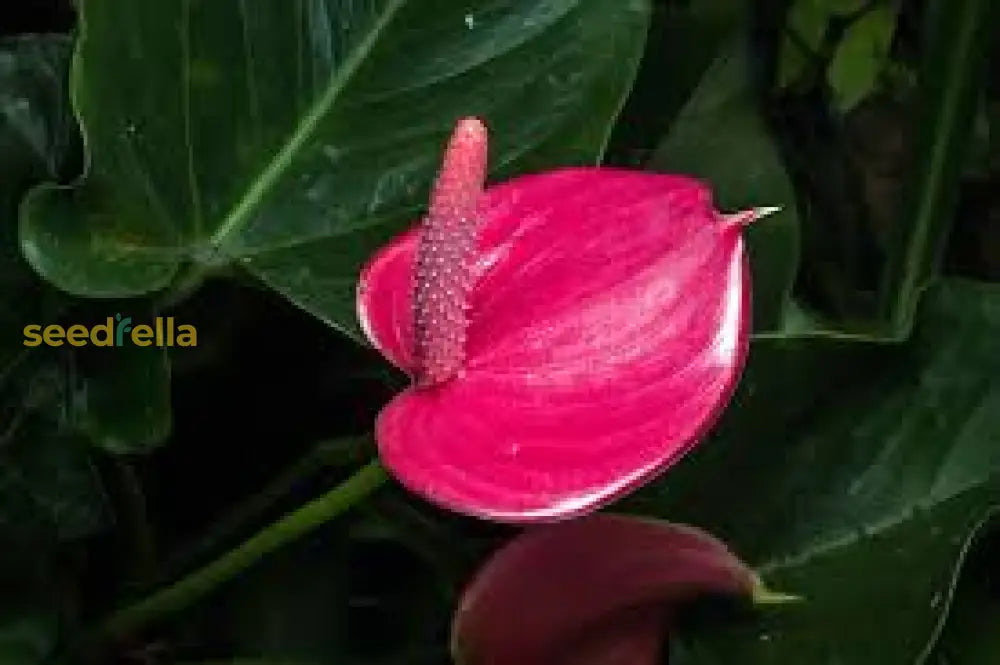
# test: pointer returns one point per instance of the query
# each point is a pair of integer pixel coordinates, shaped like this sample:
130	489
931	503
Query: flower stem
260	507
189	589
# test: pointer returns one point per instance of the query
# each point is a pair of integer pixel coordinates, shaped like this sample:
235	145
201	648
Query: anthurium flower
569	334
600	590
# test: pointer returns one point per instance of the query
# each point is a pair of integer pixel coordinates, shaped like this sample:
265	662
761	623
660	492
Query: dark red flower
595	591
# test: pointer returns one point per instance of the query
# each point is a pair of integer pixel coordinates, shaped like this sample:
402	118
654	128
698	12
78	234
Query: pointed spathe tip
761	595
746	217
765	211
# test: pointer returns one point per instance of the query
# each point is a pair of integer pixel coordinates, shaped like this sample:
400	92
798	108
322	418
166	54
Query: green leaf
844	7
793	64
808	20
127	396
26	640
805	30
48	487
683	41
295	137
721	137
860	472
37	132
858	60
125	399
970	636
331	599
37	141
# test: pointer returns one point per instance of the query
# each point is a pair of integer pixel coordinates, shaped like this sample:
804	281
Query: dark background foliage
767	106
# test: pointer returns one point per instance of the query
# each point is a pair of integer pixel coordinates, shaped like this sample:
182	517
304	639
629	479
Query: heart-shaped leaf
859	496
293	136
48	488
127	403
37	142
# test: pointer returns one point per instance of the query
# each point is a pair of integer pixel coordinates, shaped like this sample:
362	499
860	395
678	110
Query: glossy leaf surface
853	479
295	136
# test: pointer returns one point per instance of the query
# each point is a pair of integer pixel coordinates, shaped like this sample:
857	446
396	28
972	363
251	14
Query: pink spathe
591	328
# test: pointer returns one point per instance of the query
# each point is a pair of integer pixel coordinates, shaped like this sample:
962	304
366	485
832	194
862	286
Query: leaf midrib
848	538
260	186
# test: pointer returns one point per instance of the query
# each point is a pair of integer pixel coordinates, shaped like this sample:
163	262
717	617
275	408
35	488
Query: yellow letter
54	335
187	335
31	336
77	335
109	332
142	335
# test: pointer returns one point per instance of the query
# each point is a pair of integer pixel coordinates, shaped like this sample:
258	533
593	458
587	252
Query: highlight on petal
608	325
599	590
385	300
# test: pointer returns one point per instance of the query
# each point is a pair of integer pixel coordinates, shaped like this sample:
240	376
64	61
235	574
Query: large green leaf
971	636
37	142
683	42
293	136
331	598
720	136
48	487
858	495
126	405
26	639
124	399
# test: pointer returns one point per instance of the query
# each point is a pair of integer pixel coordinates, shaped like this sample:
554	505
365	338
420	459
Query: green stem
204	580
324	455
136	518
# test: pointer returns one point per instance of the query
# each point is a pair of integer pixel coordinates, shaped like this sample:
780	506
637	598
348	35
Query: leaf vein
195	194
240	213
